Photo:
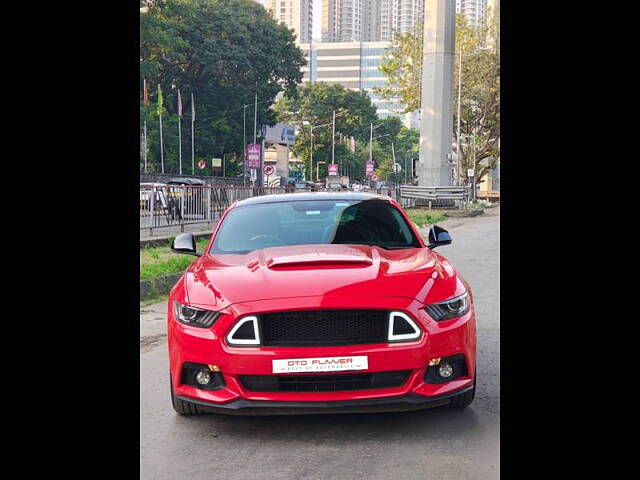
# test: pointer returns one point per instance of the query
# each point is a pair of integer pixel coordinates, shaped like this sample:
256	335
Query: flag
145	93
193	109
159	100
179	104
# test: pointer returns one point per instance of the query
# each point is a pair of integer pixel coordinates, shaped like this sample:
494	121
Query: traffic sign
375	177
202	164
333	169
470	172
268	170
216	162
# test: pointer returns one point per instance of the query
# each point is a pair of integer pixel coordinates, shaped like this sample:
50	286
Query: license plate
320	364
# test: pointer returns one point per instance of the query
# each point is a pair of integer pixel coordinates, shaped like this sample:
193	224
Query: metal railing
180	205
436	196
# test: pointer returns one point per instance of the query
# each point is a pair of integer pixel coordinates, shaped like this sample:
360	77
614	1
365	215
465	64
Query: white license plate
320	364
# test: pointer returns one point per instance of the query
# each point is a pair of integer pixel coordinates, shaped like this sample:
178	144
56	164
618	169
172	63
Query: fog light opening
445	370
203	377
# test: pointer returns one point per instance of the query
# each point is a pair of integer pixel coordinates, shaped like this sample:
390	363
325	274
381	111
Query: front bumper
208	347
403	403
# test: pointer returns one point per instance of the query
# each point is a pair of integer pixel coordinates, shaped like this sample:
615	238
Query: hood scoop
318	260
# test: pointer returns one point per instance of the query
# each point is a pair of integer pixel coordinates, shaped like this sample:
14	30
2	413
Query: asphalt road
431	444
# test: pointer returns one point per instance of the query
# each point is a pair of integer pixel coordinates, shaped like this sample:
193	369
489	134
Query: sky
317	12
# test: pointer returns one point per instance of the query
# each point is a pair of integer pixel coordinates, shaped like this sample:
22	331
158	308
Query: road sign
375	177
396	168
333	169
370	167
268	170
470	172
253	175
202	164
216	162
253	155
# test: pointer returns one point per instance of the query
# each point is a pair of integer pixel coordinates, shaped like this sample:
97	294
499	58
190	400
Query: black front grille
323	383
324	327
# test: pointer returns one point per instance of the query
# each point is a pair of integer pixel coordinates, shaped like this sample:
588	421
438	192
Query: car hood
319	270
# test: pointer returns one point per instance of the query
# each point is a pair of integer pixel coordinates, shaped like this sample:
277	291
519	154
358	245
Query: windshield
364	222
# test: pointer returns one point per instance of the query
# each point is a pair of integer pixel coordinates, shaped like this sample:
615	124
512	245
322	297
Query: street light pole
333	140
311	174
459	141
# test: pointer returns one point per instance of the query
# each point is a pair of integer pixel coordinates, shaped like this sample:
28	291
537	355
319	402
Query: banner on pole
370	166
333	169
253	155
179	104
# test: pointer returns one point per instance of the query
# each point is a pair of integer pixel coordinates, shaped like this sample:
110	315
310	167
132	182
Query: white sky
317	13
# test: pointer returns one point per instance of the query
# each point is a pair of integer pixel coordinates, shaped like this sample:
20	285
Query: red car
319	302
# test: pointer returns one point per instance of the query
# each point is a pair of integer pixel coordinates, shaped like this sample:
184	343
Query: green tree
402	65
480	99
315	104
222	51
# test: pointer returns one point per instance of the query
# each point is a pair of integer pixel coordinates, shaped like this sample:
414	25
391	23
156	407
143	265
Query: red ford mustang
319	302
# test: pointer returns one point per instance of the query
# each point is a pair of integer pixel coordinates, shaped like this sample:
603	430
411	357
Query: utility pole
459	141
244	143
333	139
255	118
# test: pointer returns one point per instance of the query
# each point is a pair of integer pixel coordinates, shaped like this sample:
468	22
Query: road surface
431	444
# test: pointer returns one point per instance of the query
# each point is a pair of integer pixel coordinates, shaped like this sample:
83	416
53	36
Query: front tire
185	409
464	399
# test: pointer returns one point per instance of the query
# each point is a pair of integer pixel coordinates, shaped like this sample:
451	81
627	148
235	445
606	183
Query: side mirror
185	243
438	236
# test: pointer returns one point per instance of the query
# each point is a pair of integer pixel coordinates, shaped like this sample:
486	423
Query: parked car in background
146	190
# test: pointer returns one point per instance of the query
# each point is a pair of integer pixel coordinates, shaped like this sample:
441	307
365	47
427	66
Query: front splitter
400	403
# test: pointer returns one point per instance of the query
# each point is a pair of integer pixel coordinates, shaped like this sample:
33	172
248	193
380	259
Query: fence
446	196
173	205
180	205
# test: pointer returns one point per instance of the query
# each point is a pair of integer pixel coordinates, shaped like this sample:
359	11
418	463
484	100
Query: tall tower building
342	20
474	10
295	14
399	16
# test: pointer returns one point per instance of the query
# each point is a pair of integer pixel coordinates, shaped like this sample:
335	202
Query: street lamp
312	127
371	140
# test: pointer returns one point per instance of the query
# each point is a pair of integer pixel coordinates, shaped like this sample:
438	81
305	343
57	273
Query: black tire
464	399
183	408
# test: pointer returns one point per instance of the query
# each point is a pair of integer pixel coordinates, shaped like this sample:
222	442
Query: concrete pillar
436	125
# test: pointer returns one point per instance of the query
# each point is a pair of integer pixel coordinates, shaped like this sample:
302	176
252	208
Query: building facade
368	20
295	14
354	65
399	16
474	10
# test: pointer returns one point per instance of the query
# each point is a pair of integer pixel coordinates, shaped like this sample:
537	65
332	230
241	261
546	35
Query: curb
157	286
464	213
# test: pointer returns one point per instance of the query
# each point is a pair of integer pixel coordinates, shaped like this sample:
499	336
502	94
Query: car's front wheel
183	408
464	399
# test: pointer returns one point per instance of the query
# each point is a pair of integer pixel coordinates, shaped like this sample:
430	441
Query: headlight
193	316
452	308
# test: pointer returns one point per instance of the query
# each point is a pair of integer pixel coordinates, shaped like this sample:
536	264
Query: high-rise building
368	20
342	20
354	65
295	14
474	10
399	16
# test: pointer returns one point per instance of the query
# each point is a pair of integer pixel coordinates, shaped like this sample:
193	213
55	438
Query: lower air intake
324	383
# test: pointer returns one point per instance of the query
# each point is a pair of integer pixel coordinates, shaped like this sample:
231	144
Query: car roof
297	197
